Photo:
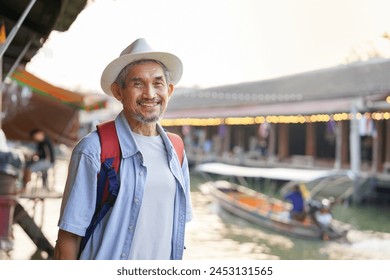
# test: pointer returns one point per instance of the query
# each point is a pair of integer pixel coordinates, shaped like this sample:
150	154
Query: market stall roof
50	108
76	100
44	17
58	120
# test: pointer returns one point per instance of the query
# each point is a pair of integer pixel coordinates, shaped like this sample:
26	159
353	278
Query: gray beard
143	119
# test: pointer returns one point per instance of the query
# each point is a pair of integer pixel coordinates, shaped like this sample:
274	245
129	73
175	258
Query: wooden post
377	147
311	139
272	140
283	141
344	143
387	147
339	146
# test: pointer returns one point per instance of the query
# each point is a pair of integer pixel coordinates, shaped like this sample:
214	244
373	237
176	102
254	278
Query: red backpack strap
109	141
110	149
178	144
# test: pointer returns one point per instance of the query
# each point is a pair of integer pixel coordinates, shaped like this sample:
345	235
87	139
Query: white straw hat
139	50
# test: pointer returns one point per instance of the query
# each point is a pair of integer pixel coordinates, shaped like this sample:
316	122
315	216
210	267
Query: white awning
284	174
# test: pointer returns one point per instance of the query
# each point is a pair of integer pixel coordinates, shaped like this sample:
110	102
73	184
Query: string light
276	119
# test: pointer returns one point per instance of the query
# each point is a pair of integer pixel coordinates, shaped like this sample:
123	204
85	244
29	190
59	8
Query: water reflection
363	245
216	234
209	237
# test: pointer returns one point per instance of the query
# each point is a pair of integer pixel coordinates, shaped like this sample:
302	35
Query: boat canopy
284	174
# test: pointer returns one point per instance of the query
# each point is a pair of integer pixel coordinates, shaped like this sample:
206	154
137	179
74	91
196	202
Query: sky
220	42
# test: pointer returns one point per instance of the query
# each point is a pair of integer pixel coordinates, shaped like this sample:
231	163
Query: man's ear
171	89
116	91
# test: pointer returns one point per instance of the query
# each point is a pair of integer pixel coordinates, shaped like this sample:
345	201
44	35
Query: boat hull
262	210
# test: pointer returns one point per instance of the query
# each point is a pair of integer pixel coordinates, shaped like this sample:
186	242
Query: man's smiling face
145	94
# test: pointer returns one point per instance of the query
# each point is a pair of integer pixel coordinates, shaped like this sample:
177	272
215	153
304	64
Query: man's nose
149	91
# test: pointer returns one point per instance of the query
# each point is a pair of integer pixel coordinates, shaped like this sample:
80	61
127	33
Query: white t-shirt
323	219
157	209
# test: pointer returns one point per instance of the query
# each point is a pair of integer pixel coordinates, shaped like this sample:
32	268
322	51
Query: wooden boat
266	211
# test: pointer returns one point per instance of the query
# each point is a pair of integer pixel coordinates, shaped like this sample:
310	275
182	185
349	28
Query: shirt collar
126	138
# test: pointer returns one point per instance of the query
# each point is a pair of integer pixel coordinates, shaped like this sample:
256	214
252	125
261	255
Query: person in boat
297	200
322	215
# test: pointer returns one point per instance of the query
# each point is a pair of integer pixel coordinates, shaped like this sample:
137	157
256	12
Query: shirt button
131	228
123	255
140	173
136	201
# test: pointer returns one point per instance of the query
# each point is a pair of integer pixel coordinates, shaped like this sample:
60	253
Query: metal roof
335	87
339	105
44	17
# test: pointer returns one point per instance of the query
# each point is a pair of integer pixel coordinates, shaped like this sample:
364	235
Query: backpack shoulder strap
109	141
178	144
110	155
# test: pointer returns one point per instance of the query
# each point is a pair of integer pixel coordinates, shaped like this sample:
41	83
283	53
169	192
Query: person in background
12	164
298	204
153	204
43	158
323	217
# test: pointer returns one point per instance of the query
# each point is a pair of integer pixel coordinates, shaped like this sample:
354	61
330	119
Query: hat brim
112	70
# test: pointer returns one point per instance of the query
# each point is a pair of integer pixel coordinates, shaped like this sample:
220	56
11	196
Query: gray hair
121	79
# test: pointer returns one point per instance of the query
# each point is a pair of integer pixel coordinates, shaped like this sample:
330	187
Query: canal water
215	234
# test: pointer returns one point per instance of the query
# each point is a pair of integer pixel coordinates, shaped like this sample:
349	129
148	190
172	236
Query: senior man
153	204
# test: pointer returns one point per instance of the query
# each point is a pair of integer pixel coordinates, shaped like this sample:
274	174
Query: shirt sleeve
79	199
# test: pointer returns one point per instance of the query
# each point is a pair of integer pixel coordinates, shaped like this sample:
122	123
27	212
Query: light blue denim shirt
113	237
